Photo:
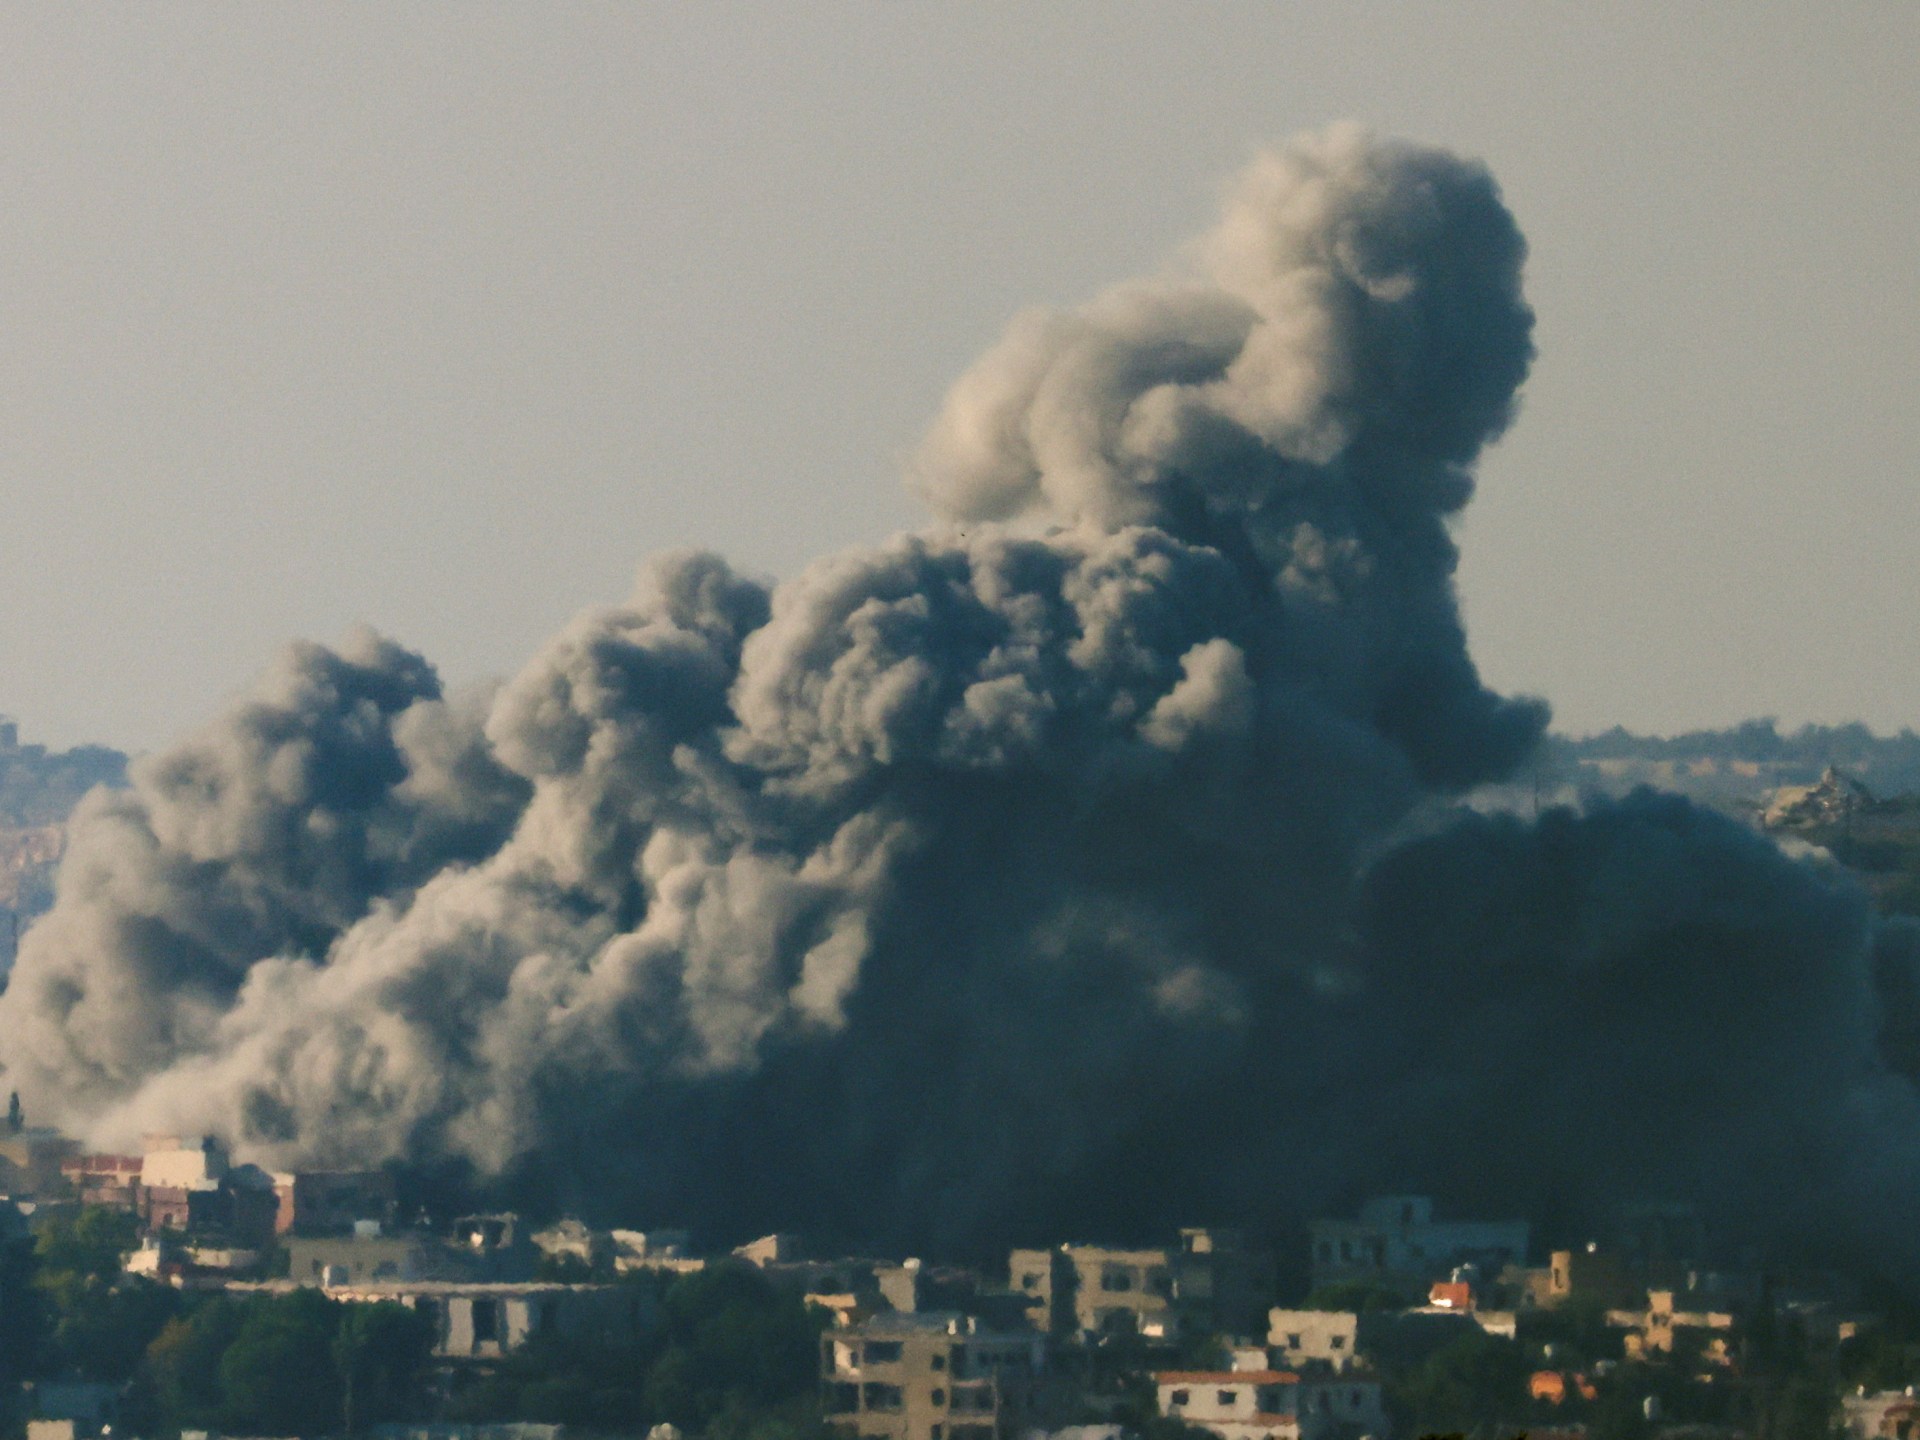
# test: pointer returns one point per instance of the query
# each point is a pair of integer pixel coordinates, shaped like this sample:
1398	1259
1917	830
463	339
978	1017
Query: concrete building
573	1240
1085	1291
1272	1404
1323	1340
1694	1321
1881	1415
1591	1275
1222	1285
109	1181
487	1321
195	1189
1212	1283
928	1377
30	1162
331	1202
1396	1242
371	1258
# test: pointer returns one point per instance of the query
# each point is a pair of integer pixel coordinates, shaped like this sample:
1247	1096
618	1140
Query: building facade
927	1377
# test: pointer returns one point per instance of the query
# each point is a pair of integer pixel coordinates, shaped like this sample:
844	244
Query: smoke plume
1085	861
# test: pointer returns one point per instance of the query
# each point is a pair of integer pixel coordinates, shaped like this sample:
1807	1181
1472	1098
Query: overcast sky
442	317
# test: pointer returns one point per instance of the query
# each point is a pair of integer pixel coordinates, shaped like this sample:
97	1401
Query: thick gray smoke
1046	870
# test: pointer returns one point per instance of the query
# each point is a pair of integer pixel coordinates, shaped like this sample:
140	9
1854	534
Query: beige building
927	1377
1272	1404
1089	1290
1697	1322
1314	1339
486	1321
30	1162
1212	1283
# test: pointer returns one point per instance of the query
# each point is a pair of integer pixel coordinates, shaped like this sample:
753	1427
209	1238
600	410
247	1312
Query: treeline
39	786
1889	764
732	1357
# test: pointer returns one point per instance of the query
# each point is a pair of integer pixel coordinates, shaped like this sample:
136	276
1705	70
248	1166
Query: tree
1356	1296
278	1376
1475	1380
183	1364
381	1353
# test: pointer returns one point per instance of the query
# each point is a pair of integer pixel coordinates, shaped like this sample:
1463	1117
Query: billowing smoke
1085	862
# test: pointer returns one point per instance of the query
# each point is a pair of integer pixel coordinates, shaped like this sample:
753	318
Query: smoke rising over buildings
1086	859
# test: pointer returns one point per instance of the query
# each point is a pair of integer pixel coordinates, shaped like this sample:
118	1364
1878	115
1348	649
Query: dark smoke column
1010	876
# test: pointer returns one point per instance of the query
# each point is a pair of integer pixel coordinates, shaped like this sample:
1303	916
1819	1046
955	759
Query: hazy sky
442	317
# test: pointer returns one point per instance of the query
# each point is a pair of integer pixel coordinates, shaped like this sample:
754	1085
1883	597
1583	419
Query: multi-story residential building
1091	1290
109	1181
484	1321
1314	1339
1271	1404
1706	1320
1881	1415
927	1377
1397	1242
1212	1283
331	1202
1221	1285
31	1158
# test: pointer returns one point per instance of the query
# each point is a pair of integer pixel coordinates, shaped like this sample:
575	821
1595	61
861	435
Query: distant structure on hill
38	790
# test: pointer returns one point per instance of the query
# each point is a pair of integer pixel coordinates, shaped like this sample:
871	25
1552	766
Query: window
1293	1342
935	1432
882	1352
1030	1281
843	1399
1339	1342
1179	1397
1116	1278
939	1397
1227	1399
972	1400
937	1362
486	1321
882	1397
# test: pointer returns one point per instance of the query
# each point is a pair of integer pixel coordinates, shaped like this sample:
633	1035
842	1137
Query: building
1396	1242
1324	1340
485	1321
194	1189
1221	1285
1213	1283
331	1202
928	1377
573	1240
1321	1342
1592	1275
1271	1404
109	1181
1700	1323
1881	1415
1085	1291
371	1258
31	1157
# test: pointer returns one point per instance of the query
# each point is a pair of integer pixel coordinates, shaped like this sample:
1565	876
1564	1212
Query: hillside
38	789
